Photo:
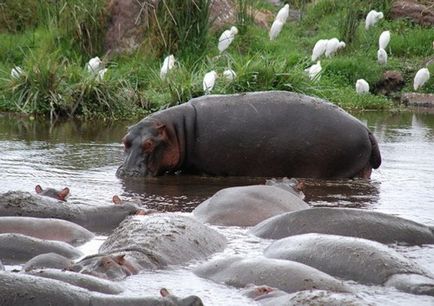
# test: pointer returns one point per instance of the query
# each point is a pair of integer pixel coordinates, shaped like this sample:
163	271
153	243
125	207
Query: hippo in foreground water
28	290
150	242
252	134
366	224
98	218
357	259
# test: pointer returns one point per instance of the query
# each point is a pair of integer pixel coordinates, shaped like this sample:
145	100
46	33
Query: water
85	156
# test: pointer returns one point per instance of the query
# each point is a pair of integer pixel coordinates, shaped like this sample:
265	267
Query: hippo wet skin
253	134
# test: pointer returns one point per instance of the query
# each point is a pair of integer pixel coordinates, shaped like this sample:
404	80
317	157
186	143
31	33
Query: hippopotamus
357	259
96	218
48	260
247	205
269	134
353	222
89	282
46	228
149	242
285	275
17	248
28	290
60	195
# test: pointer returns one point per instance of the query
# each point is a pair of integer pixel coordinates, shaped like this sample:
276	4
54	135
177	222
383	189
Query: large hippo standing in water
252	134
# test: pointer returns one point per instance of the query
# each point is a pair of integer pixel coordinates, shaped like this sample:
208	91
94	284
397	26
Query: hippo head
113	267
191	300
53	193
150	149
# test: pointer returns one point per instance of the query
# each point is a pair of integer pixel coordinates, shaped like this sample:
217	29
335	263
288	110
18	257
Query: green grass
53	41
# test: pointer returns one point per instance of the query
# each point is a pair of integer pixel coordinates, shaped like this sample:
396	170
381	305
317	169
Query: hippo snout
133	165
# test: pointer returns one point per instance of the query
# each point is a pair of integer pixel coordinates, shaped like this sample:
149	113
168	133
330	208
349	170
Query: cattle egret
314	70
333	45
362	86
94	65
319	49
209	81
101	74
226	38
372	18
16	72
384	39
229	74
276	27
283	14
382	56
168	64
421	77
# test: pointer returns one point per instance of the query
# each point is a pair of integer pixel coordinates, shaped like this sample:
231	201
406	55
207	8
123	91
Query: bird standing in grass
226	38
372	18
168	64
16	72
333	45
275	29
319	49
362	86
314	71
101	74
384	40
283	14
229	74
209	81
94	65
382	56
421	77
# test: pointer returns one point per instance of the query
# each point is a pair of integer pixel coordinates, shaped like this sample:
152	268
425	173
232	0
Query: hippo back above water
253	134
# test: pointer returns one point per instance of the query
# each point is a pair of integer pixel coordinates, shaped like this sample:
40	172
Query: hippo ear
164	292
63	194
119	259
300	185
38	188
117	200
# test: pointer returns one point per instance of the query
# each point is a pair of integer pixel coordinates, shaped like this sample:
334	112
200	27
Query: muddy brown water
85	155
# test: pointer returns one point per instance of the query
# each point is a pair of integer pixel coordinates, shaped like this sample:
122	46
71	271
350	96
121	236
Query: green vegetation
53	40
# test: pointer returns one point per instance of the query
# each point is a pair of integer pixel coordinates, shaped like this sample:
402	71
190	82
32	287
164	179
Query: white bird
333	45
314	70
226	38
319	49
421	77
382	56
229	74
94	65
362	86
209	81
372	18
275	29
384	40
283	14
101	74
16	72
168	64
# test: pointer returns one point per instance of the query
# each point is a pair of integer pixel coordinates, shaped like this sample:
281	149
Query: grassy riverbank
53	42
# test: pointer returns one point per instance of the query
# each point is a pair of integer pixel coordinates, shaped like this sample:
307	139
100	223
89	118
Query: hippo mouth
134	165
135	172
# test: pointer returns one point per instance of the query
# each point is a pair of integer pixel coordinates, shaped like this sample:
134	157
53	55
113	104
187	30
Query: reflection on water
84	156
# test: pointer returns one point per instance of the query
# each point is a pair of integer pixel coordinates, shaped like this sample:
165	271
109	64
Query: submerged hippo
60	195
247	205
28	290
98	218
151	241
46	228
357	259
17	248
48	260
252	134
285	275
366	224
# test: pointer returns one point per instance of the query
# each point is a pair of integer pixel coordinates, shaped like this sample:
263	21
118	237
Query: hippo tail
375	158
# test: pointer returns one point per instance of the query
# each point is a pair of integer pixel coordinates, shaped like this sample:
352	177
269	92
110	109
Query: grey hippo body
98	218
27	290
17	248
247	205
285	275
360	223
149	242
252	134
361	260
46	228
48	260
